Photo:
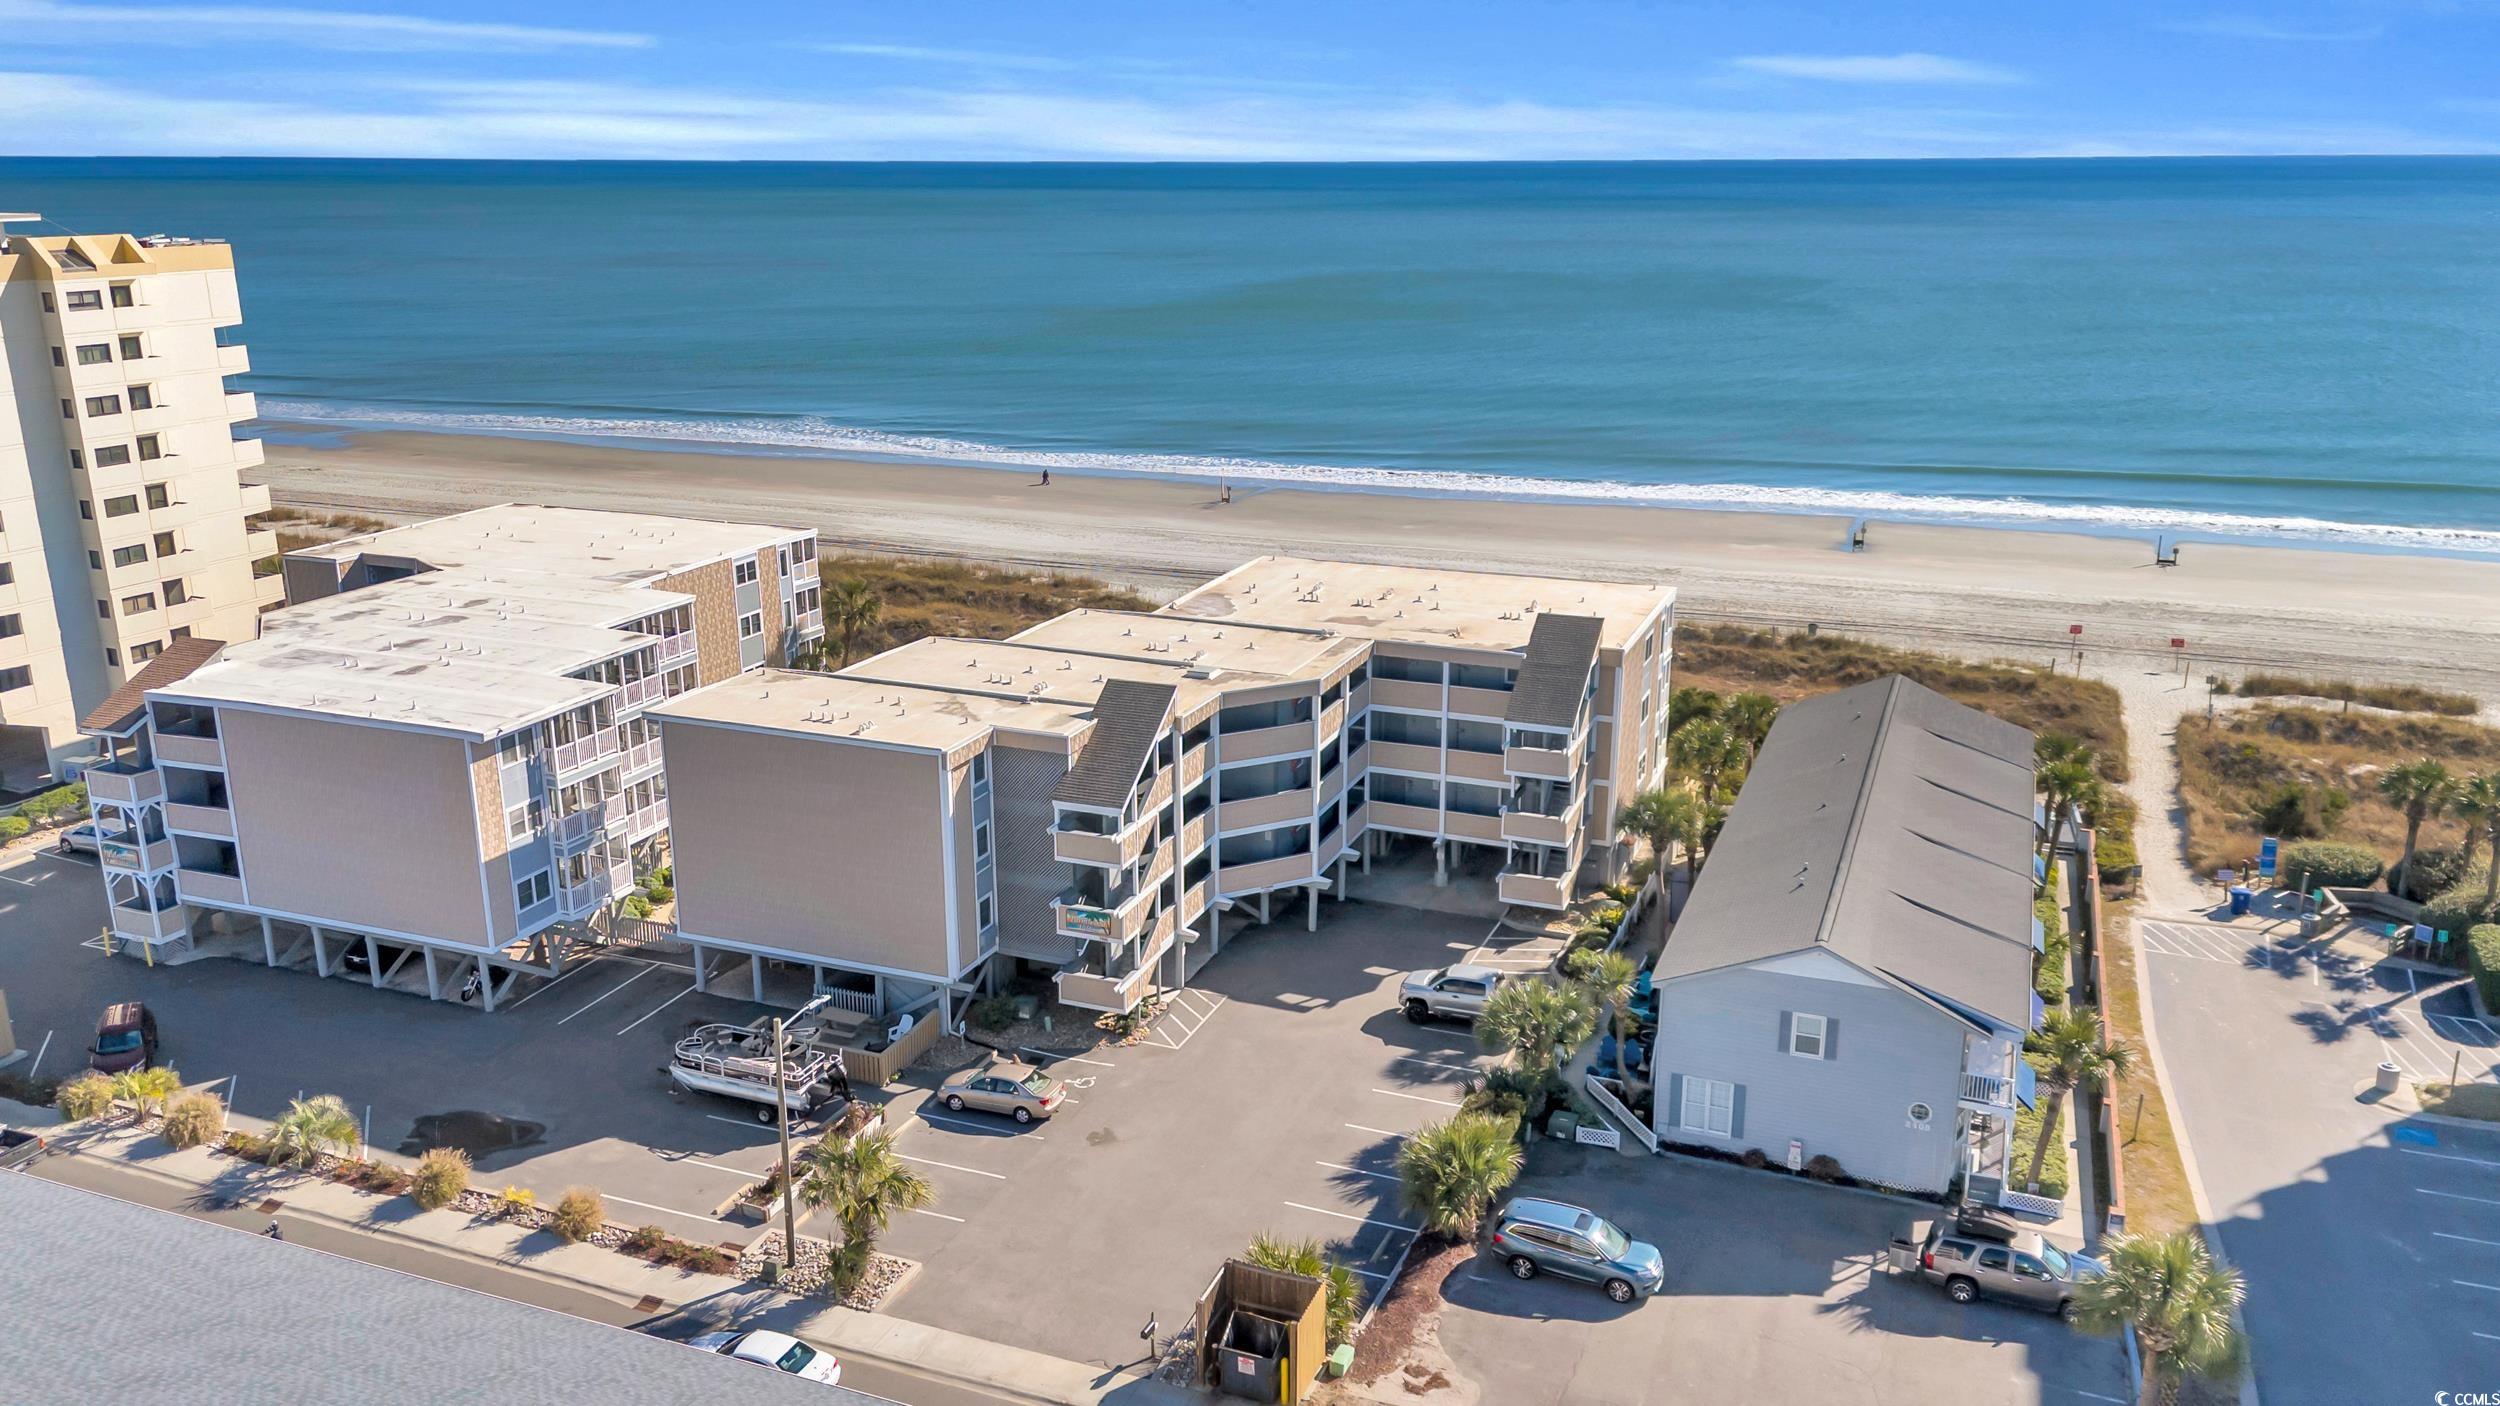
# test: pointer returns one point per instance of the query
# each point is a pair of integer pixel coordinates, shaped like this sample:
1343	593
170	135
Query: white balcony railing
676	648
137	924
634	693
642	756
570	831
124	784
586	751
1987	1090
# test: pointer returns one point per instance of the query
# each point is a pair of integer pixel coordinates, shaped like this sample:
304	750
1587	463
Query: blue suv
1540	1237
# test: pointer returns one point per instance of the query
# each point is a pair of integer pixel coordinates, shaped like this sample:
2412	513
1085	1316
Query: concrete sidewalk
220	1180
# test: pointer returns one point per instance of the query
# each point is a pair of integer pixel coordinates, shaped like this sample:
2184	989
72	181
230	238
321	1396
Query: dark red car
125	1038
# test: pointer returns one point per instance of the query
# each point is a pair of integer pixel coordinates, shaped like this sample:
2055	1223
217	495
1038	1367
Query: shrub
193	1118
1753	1158
1577	962
659	892
2459	909
251	1147
637	906
2113	851
2316	864
579	1214
441	1176
13	827
1823	1167
2292	811
994	1012
2482	958
87	1096
645	1239
1501	1105
56	806
665	875
517	1201
2435	870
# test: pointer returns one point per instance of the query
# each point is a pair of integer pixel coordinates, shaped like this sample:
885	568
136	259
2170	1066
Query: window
8	574
182	632
980	768
139	604
1996	1257
750	624
58	359
176	593
1809	1035
1921	1114
86	300
69	409
141	653
142	398
122	296
104	405
104	610
164	544
112	656
981	843
1709	1107
18	677
111	456
746	571
86	510
95	354
11	627
47	304
149	448
534	890
158	497
522	819
987	916
95	560
122	506
130	347
131	555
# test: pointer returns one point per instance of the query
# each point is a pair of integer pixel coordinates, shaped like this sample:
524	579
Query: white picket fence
1605	1099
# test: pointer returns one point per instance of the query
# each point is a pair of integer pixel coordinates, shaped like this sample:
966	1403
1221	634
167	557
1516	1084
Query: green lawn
2054	1172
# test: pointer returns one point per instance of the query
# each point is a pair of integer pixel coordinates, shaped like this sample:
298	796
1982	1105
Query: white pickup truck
1450	993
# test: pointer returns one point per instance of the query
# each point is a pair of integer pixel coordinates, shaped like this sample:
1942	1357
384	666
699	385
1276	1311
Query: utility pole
789	1173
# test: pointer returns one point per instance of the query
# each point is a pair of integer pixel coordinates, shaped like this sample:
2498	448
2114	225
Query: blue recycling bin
2240	897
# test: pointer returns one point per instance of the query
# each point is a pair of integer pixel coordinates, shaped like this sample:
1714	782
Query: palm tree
1608	984
2181	1304
1450	1172
2421	790
2077	1050
2067	781
1664	818
1708	753
310	1127
1691	705
864	1183
2478	801
146	1090
852	608
1536	1023
1304	1257
1749	716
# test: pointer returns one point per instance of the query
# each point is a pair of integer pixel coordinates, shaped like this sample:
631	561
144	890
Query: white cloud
1877	68
320	29
914	53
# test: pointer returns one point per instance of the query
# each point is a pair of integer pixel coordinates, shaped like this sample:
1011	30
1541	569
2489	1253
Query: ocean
2298	349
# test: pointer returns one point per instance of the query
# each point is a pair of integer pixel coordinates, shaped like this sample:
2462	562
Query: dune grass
2231	763
924	597
2406	698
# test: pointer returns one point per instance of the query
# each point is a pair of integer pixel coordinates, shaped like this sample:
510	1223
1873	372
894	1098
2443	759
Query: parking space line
936	1215
1420	1098
1358	1171
740	1122
1454	1068
2477	1034
975	1127
2468	1239
1384	1132
559	981
672	1210
637	976
1063	1058
2470	1284
933	1162
655	1010
711	1166
2457	1196
2448	1157
40	1051
2495	1337
1370	1273
1345	1215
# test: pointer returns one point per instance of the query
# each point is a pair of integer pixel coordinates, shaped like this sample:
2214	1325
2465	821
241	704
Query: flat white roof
1416	604
862	710
581	544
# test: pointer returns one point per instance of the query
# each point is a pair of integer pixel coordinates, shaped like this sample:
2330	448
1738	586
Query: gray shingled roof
1554	676
1891	826
1128	715
265	1321
177	662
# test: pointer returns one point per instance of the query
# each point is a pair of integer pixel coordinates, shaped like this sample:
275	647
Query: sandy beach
1972	591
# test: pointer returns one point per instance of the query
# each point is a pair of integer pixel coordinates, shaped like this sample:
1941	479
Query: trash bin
2240	898
2389	1076
1563	1125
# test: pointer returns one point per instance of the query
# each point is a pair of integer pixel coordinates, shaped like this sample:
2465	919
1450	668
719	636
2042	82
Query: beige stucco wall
367	827
808	845
714	590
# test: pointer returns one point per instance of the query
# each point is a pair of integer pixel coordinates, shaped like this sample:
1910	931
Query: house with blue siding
1852	975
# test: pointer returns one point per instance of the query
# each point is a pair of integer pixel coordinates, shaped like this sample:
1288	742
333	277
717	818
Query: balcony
676	649
570	831
1357	821
642	756
1407	694
241	405
1087	991
250	454
268	590
1535	829
1096	924
1529	891
1537	761
584	898
234	360
260	543
255	495
1463	825
1331	719
810	624
1491	703
124	784
1259	743
648	821
1266	874
1194	764
1332	786
142	856
1103	851
634	693
1404	756
1476	766
583	753
1413	820
1265	810
209	886
1987	1092
217	822
135	924
187	750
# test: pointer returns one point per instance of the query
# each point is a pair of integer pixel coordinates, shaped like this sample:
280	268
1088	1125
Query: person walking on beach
1045	478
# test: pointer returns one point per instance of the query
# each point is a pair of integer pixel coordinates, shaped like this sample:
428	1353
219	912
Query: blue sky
1249	79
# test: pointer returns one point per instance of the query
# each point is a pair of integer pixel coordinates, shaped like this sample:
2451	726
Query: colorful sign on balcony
1084	921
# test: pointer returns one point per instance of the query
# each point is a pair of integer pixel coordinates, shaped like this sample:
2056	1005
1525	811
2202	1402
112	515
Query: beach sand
1973	591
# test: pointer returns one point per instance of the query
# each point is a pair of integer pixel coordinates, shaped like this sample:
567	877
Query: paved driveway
2371	1241
1773	1294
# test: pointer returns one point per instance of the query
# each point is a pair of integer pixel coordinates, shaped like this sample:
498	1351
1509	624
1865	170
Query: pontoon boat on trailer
736	1061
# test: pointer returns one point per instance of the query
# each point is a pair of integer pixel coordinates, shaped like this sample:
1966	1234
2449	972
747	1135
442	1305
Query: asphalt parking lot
1270	1098
1774	1292
2371	1240
561	1087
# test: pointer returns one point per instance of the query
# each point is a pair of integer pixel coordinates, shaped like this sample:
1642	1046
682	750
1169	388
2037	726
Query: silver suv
1456	993
1976	1258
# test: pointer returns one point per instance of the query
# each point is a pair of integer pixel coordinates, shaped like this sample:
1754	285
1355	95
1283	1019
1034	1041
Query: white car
779	1351
1453	993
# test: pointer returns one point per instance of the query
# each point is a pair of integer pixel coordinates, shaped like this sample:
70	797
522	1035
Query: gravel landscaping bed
885	1272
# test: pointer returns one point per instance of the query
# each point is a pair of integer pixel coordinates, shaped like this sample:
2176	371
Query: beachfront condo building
124	524
436	767
1095	798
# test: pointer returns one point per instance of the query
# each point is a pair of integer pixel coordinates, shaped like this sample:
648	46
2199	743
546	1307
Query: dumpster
2240	899
1262	1333
1250	1356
